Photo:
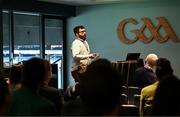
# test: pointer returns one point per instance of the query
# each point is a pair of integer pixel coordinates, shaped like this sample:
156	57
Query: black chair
129	110
131	92
136	100
124	95
124	90
124	99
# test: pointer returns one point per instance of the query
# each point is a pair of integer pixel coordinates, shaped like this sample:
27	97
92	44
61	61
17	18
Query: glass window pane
6	46
53	39
53	47
26	37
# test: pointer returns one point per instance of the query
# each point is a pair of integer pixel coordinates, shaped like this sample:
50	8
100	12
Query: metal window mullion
1	39
64	59
42	36
11	37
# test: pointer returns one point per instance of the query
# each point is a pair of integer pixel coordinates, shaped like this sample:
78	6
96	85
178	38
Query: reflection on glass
6	48
53	40
27	41
26	37
53	47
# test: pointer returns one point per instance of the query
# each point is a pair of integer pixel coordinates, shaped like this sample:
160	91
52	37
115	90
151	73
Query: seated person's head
163	68
15	75
151	60
34	73
100	87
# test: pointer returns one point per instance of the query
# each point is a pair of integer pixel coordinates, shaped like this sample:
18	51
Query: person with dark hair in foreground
26	101
100	89
49	92
166	100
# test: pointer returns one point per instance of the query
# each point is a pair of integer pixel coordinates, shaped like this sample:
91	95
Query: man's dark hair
76	29
100	87
33	73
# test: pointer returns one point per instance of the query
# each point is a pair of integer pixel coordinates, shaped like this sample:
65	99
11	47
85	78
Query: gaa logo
154	31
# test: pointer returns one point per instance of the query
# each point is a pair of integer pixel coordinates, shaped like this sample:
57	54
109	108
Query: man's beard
83	37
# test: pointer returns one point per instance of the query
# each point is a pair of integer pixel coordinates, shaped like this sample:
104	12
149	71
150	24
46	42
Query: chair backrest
124	99
131	92
129	110
136	100
124	90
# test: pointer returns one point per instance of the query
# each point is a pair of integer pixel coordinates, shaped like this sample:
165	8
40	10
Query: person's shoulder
139	69
44	101
48	90
76	41
149	88
146	88
47	106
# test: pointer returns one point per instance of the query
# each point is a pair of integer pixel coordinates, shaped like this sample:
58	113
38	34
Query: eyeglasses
82	31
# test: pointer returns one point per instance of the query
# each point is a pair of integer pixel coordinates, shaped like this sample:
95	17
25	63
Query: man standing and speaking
81	53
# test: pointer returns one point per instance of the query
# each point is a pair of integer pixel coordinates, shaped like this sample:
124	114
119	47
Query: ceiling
88	2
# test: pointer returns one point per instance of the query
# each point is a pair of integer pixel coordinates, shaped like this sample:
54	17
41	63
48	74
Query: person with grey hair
151	60
145	75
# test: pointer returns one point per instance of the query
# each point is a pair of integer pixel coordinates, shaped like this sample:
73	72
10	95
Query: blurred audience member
73	104
100	89
5	97
72	92
166	100
50	92
147	93
15	77
26	100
